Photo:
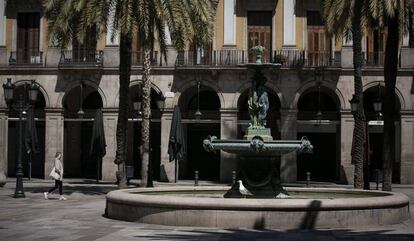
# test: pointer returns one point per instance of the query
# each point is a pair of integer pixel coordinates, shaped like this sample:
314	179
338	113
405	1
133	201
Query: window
318	44
28	30
259	30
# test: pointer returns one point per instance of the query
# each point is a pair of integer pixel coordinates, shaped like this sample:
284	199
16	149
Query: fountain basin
205	207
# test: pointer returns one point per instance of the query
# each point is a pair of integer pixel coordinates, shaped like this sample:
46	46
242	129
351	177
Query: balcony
375	59
137	58
26	57
88	58
230	57
234	57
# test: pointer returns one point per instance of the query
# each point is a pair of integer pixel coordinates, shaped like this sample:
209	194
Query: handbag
54	174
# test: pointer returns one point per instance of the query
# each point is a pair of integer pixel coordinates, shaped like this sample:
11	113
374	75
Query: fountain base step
307	208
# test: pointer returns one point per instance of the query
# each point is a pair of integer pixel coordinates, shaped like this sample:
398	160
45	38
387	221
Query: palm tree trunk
390	74
358	135
121	129
146	112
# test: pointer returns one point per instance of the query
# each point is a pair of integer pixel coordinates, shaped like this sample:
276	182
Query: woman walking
57	174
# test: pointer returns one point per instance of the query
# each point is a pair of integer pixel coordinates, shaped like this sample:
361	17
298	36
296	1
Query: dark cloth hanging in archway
98	143
31	139
176	147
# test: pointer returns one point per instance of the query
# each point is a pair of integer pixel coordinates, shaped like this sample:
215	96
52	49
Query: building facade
309	95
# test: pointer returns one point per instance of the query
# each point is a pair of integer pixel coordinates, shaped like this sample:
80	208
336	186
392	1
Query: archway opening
196	130
33	164
319	120
78	160
134	135
376	134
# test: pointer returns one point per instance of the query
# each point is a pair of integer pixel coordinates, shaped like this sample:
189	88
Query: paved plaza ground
81	217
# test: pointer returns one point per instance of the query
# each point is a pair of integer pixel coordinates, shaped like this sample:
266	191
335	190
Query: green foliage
187	20
279	58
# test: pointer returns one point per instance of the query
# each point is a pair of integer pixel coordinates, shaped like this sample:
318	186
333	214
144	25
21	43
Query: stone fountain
258	154
205	206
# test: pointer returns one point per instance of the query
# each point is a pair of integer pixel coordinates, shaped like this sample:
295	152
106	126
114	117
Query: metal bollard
308	174
195	178
233	177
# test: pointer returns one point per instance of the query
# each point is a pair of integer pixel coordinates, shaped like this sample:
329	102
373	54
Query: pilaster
288	164
3	147
347	129
54	134
228	130
2	23
229	28
109	168
167	167
289	23
407	148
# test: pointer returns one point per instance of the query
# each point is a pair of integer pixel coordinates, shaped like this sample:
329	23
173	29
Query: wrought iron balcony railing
375	59
26	57
234	57
81	57
137	58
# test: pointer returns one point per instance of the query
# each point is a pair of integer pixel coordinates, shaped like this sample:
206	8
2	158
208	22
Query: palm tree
349	18
186	19
190	20
395	15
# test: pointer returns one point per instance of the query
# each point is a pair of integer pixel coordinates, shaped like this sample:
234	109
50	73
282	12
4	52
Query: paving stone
81	218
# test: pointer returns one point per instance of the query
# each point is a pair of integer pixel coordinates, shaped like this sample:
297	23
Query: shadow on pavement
69	189
232	234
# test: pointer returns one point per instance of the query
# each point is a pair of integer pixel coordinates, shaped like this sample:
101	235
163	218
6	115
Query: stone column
3	50
54	137
347	54
407	53
167	168
229	28
289	23
111	50
2	23
407	148
288	164
347	129
4	123
228	130
109	168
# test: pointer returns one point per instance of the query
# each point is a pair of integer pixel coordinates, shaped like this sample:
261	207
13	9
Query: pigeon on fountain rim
243	190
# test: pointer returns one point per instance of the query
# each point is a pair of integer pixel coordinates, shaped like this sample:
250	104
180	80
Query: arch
41	89
183	88
399	94
77	83
247	84
134	83
336	93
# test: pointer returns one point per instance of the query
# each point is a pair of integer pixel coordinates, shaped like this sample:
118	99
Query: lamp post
378	104
198	114
21	106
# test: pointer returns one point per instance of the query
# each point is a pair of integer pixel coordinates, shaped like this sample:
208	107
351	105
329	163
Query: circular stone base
205	207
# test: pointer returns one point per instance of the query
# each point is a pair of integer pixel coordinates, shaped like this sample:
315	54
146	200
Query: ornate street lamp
81	113
198	114
160	103
21	106
354	104
378	103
